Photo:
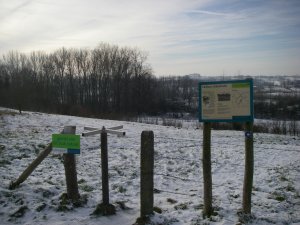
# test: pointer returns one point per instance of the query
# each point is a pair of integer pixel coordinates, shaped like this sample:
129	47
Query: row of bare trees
177	94
111	81
105	80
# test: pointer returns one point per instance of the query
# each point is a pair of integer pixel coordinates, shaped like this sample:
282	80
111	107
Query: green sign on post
66	142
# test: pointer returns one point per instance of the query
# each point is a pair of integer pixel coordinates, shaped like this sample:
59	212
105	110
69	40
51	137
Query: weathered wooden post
147	165
31	167
104	208
226	101
70	169
206	162
249	168
104	167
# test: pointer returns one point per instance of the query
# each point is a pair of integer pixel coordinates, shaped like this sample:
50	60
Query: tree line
112	82
106	80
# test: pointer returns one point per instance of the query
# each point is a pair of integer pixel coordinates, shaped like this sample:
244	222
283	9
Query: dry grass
6	112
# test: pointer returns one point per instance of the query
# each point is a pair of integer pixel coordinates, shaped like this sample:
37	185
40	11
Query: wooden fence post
206	162
70	169
104	167
147	165
104	208
249	168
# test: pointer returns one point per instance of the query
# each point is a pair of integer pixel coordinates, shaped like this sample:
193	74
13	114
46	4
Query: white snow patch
178	174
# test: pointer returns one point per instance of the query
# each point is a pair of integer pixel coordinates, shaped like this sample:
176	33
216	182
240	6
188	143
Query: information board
226	101
66	143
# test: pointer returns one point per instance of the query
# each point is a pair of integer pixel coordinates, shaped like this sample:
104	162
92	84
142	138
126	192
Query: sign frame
234	118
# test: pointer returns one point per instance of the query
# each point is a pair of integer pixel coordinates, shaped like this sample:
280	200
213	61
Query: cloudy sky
210	37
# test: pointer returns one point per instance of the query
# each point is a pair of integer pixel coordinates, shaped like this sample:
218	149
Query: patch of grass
86	188
47	193
156	191
41	146
7	113
81	181
199	206
58	156
41	207
147	220
297	195
142	220
278	196
199	221
19	212
119	188
50	182
66	204
157	209
172	201
283	178
122	205
104	210
23	156
290	188
172	123
81	201
134	175
122	189
255	188
19	201
245	218
63	208
36	150
4	162
181	206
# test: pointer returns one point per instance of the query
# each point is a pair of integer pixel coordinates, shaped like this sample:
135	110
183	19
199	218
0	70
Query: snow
178	174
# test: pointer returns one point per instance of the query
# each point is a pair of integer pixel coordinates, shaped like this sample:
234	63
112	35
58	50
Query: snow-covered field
178	174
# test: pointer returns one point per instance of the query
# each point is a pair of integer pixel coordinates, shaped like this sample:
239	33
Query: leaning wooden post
31	167
70	169
206	162
147	165
249	168
104	166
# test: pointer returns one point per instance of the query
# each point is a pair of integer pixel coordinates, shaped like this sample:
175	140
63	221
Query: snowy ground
178	174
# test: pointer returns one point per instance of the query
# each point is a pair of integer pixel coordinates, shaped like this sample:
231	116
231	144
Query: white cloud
179	35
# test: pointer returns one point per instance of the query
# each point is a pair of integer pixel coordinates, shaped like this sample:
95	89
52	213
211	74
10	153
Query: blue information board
226	101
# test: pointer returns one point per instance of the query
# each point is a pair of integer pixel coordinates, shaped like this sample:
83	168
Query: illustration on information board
239	98
223	97
206	100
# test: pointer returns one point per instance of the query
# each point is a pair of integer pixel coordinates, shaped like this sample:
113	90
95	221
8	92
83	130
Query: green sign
68	141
